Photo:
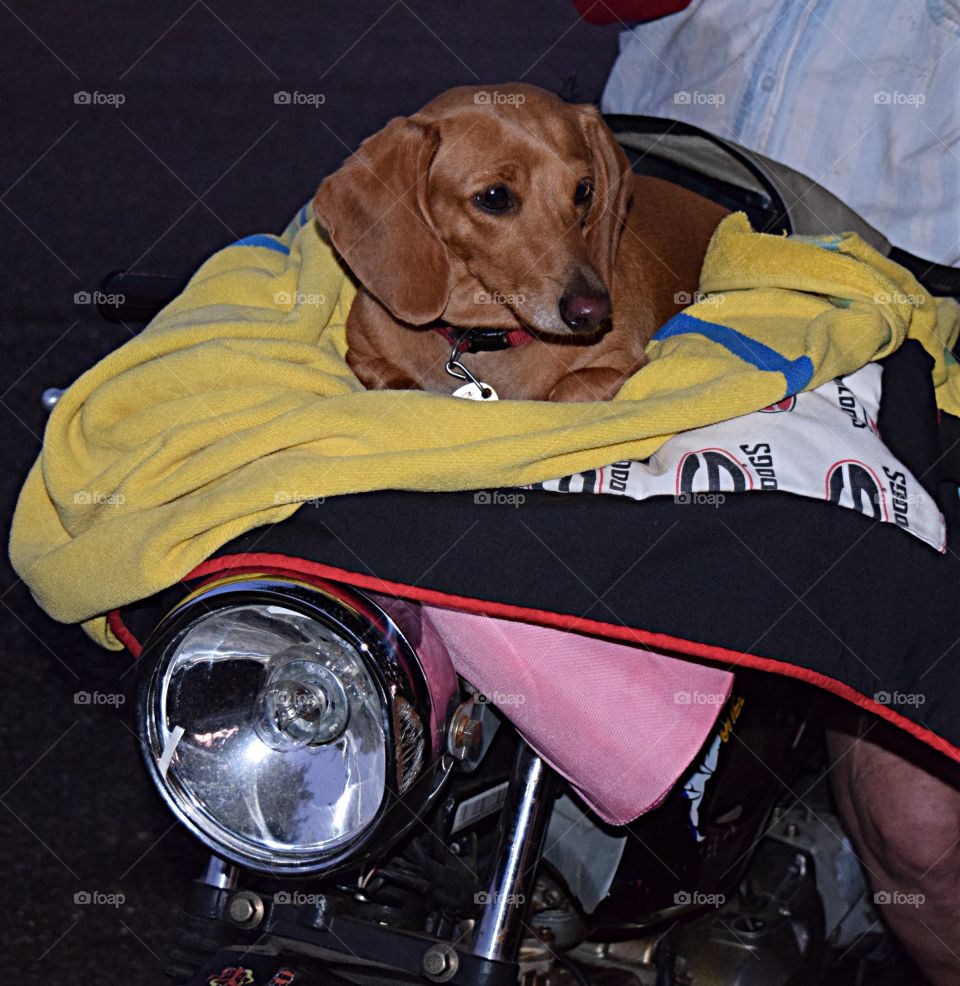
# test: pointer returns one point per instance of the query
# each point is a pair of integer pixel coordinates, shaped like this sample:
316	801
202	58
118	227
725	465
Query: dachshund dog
508	224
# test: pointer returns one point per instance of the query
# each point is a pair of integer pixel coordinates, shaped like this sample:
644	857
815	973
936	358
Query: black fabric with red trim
768	580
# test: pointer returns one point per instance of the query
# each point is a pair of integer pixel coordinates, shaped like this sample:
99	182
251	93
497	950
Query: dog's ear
613	184
374	208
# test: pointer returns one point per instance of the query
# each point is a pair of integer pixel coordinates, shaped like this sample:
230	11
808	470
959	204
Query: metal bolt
434	962
246	909
440	963
792	830
470	736
241	909
467	735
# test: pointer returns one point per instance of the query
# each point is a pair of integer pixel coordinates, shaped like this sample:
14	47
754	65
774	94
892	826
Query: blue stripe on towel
798	372
263	240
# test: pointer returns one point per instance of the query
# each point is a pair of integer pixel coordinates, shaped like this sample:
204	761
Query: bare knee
901	808
906	819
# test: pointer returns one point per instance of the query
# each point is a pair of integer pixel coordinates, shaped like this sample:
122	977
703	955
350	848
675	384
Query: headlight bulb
302	703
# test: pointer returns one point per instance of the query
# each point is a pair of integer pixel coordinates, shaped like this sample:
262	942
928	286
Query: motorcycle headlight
288	724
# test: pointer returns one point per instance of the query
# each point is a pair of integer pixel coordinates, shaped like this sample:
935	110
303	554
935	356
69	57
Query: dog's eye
583	193
497	198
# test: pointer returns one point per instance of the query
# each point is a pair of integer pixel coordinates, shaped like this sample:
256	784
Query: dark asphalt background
197	156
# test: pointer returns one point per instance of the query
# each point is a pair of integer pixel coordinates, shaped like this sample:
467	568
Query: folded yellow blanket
236	404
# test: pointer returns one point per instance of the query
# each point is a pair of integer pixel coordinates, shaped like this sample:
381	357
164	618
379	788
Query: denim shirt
864	98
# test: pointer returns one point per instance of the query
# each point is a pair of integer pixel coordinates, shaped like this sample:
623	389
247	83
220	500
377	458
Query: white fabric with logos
822	444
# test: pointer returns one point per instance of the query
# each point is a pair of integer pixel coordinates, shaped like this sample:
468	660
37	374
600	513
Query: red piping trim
122	633
563	621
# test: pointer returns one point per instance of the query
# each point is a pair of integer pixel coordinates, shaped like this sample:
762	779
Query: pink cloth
620	722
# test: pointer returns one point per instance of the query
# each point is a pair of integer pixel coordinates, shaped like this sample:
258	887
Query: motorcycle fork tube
523	821
220	874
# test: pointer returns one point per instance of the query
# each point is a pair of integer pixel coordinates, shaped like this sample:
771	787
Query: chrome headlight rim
392	665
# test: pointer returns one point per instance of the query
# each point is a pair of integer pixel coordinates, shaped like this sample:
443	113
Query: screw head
245	909
466	735
440	963
434	962
241	909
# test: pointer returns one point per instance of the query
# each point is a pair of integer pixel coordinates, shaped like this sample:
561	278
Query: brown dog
508	209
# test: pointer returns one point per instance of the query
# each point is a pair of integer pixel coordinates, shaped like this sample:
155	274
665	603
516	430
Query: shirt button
767	83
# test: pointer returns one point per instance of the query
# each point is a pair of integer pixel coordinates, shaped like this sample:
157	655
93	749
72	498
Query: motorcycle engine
778	929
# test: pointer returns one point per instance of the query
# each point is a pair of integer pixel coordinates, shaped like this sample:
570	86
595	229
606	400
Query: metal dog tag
476	392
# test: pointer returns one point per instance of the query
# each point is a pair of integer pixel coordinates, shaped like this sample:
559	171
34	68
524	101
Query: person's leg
900	803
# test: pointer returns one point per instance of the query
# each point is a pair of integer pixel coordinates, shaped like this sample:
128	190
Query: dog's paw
595	383
380	374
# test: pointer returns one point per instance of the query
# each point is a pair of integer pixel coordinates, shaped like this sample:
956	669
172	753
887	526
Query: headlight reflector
277	717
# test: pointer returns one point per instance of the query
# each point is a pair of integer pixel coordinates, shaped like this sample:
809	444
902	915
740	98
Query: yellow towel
235	405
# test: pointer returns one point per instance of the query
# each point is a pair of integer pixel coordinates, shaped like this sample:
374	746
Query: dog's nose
583	311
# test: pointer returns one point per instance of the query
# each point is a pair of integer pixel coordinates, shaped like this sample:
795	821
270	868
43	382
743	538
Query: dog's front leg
376	373
594	383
